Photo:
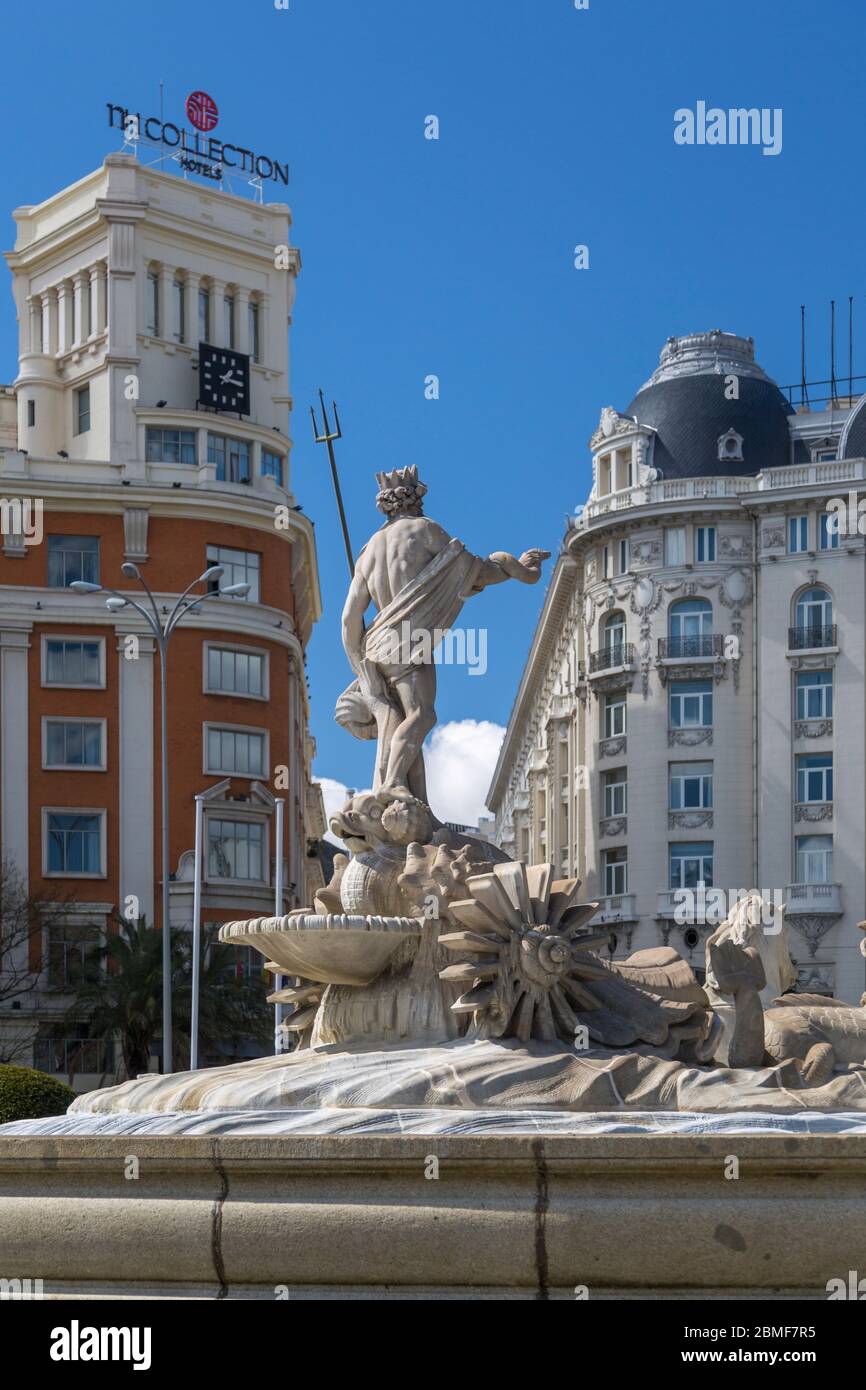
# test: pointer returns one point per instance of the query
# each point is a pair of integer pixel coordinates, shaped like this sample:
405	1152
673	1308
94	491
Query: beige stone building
691	715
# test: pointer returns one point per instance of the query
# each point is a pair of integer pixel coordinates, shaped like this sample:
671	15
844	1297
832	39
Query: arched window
690	628
813	619
613	636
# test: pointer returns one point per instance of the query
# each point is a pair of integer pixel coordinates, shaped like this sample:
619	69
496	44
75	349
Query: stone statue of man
417	577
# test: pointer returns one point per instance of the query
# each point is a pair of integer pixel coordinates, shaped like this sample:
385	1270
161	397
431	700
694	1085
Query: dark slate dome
853	442
684	401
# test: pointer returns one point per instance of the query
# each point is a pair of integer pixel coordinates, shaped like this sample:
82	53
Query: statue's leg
417	694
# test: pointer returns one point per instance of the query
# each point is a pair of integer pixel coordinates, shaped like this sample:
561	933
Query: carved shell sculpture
527	959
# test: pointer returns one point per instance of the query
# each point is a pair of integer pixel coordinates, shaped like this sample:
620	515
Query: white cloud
460	759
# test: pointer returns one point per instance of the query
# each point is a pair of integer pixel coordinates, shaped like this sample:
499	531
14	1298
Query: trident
327	437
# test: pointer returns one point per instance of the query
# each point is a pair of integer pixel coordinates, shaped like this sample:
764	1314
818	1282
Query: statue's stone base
509	1215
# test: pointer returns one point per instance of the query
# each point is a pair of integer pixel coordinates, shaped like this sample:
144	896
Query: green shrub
26	1094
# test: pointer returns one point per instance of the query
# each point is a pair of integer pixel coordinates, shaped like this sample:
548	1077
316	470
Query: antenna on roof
804	393
850	348
833	388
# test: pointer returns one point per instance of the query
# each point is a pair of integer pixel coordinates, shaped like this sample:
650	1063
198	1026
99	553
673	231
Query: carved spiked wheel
527	958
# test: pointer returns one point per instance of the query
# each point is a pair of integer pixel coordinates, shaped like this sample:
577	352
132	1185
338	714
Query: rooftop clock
223	379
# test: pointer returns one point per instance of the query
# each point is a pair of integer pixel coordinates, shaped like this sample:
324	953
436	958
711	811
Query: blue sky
455	256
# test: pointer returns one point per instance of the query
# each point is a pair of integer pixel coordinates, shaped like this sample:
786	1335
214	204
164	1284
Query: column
136	772
79	315
193	283
94	326
242	323
217	313
100	299
49	322
33	328
14	709
166	307
65	310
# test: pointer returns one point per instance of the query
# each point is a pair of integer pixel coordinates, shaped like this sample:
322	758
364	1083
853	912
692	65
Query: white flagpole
278	912
196	933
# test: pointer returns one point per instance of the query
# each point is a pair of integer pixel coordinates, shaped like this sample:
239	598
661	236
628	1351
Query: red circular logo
202	110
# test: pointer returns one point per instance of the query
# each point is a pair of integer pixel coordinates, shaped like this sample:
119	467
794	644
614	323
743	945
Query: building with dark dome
690	720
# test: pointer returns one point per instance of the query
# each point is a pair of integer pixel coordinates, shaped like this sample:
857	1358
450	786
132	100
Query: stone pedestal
509	1215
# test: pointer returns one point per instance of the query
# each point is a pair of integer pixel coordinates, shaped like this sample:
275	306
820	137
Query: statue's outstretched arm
501	566
356	605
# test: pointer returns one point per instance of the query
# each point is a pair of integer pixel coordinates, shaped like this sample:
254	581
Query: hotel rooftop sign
197	151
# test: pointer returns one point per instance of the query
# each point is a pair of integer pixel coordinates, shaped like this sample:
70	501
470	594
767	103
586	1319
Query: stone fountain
475	1100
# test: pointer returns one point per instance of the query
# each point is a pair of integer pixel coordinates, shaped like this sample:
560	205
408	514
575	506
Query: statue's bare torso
397	554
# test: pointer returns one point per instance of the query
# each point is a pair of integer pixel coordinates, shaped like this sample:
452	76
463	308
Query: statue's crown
399	477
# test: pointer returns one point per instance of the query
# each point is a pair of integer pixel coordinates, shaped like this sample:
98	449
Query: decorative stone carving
135	521
813	728
696	670
645	554
730	447
688	738
689	820
735	546
612	747
617	680
612	827
813	926
819	811
773	538
816	979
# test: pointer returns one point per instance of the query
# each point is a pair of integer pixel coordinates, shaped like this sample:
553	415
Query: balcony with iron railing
707	645
611	657
812	637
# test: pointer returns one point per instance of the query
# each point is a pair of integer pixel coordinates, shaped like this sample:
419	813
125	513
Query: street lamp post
162	631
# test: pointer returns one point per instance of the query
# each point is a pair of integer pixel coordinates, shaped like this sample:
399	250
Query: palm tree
122	999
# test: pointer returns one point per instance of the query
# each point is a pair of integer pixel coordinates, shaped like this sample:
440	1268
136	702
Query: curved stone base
434	1217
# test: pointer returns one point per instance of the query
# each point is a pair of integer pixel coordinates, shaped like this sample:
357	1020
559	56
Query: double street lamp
162	627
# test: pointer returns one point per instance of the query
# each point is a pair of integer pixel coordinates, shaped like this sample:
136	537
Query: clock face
223	379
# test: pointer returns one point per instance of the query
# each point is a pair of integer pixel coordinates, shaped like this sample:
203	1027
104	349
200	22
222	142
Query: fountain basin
330	948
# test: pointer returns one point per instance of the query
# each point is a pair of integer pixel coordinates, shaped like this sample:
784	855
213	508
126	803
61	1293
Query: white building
692	709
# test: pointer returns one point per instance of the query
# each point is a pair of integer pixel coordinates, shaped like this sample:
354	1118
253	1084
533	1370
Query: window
73	1055
73	661
178	297
72	954
71	558
613	638
235	751
272	466
814	694
705	544
815	777
691	786
235	849
240	567
605	562
798	534
169	446
828	532
31	413
75	843
232	672
231	456
614	715
151	318
814	858
615	873
690	628
82	410
675	545
691	705
623	556
204	316
228	321
615	792
253	327
692	865
825	455
73	743
814	612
